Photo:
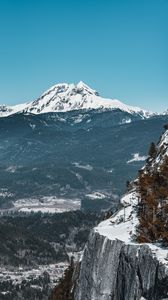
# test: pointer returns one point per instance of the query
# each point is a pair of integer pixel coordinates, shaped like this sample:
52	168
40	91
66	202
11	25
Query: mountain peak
81	84
67	97
84	87
70	89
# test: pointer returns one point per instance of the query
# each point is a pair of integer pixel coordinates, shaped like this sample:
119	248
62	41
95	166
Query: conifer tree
152	150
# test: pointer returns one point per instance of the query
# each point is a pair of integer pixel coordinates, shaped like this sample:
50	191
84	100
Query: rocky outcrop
113	270
116	265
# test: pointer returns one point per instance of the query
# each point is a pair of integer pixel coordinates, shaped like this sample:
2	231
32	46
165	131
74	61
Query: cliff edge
115	264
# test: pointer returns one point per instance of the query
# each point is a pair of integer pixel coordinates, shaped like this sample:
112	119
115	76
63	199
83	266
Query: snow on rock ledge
115	267
121	225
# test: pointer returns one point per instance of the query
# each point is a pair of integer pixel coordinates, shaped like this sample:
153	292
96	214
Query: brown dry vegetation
153	206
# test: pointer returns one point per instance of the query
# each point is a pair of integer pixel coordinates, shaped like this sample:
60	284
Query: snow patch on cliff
121	225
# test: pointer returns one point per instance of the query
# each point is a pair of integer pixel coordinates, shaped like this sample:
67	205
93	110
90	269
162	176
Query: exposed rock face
113	270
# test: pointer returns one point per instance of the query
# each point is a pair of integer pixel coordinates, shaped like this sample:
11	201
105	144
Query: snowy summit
67	97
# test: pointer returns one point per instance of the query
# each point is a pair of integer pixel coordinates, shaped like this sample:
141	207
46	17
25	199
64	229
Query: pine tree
166	126
152	150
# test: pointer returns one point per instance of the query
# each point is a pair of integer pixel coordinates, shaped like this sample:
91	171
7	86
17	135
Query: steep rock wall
113	270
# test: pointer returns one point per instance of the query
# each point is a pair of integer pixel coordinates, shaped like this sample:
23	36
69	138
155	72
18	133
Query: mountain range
65	97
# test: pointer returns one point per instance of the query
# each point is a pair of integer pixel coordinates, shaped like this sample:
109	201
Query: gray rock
112	270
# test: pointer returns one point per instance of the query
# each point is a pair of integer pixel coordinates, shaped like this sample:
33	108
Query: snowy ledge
122	226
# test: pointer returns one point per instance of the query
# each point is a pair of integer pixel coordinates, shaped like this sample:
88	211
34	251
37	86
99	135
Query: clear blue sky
119	47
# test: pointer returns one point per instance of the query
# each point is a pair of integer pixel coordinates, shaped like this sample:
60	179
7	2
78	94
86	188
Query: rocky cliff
111	269
114	265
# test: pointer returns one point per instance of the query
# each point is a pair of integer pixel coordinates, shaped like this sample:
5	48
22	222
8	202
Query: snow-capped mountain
68	97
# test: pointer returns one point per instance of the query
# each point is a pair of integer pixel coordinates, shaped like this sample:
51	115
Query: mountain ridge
65	97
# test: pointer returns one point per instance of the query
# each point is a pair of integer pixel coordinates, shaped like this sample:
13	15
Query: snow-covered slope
67	97
6	110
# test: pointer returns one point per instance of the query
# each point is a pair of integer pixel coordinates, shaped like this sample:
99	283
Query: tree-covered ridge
153	190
